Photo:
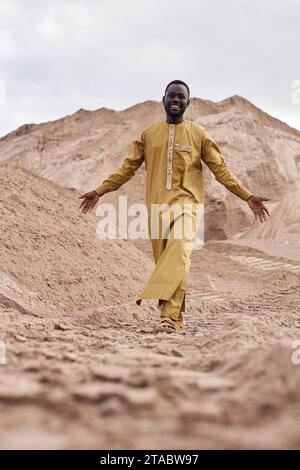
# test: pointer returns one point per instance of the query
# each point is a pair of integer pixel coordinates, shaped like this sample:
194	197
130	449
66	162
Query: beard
175	114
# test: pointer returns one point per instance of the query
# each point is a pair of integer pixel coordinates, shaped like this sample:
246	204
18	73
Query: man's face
176	100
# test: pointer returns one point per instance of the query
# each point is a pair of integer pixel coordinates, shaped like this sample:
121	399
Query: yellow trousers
172	257
175	307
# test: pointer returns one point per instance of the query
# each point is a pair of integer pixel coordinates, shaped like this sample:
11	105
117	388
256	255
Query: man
173	151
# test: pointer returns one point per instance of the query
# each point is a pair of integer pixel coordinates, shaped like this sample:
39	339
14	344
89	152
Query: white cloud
60	55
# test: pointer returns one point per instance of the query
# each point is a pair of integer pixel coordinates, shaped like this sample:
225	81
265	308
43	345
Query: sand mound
285	221
51	257
80	150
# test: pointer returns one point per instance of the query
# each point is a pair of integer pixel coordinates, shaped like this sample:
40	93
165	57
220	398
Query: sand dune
51	251
285	222
80	150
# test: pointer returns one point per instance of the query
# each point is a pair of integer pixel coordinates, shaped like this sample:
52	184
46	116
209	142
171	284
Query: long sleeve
214	159
132	162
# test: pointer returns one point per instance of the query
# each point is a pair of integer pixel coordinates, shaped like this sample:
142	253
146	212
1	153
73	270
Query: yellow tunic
173	156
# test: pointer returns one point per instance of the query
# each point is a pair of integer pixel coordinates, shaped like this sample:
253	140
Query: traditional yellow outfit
173	156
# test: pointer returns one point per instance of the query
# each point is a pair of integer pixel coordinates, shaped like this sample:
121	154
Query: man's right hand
258	208
89	201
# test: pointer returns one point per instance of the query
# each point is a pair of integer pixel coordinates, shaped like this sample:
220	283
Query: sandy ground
85	368
105	380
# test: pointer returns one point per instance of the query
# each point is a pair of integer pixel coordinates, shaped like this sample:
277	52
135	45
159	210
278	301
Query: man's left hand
258	208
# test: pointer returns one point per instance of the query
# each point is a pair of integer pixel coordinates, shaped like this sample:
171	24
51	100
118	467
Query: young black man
174	151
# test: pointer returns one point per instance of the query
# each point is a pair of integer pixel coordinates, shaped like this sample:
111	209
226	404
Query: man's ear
188	102
163	100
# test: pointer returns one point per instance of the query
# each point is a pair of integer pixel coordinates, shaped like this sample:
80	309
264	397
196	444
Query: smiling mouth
175	107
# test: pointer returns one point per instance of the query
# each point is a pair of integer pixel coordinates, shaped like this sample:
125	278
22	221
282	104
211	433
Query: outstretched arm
132	162
214	159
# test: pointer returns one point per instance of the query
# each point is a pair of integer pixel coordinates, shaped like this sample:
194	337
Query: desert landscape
85	368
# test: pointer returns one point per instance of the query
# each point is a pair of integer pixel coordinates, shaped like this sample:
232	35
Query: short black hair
179	82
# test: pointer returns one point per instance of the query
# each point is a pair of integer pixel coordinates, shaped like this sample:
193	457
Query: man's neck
174	120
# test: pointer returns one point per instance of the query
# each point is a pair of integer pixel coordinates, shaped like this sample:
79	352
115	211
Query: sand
84	367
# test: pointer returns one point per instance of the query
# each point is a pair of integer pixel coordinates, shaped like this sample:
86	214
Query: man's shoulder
196	127
153	126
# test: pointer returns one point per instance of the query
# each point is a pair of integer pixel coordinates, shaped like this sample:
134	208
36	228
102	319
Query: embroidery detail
183	147
170	156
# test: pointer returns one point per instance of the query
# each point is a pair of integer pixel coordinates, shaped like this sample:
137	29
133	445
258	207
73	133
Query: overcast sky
57	56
